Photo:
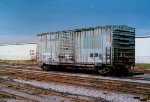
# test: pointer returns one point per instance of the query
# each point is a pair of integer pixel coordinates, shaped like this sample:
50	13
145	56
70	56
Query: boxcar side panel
91	45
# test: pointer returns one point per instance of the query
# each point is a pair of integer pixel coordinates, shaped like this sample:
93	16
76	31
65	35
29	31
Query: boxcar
107	49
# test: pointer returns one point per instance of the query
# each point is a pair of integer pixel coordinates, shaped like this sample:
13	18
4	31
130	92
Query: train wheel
45	67
104	71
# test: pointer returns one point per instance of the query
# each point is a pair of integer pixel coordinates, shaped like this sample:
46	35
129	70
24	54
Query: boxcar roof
83	29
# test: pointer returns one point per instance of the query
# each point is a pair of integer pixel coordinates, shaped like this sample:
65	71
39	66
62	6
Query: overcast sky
22	20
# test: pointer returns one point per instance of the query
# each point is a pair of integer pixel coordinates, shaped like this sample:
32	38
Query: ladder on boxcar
108	55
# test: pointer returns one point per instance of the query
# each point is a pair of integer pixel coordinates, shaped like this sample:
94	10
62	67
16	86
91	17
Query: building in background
142	49
18	51
1	42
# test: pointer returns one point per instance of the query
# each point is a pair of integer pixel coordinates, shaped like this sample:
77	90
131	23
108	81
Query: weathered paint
86	45
91	45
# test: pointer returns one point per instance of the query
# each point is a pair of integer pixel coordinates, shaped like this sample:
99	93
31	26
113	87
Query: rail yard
74	51
30	83
83	65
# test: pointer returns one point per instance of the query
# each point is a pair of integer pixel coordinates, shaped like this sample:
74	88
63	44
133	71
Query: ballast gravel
110	96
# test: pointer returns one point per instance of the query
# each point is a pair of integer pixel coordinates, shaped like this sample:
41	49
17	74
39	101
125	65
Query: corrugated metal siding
76	46
18	52
87	45
91	45
142	51
55	47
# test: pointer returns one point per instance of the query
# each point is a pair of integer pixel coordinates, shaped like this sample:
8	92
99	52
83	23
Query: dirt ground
26	62
142	68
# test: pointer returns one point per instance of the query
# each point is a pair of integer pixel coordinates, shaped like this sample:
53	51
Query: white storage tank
25	51
142	52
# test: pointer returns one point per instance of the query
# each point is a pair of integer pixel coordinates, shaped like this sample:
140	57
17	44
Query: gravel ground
11	100
110	96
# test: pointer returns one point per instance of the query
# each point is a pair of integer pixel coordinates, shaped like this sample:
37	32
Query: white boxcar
102	45
25	51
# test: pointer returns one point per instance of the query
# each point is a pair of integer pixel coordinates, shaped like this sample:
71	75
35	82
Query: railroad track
14	96
36	68
36	91
136	88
